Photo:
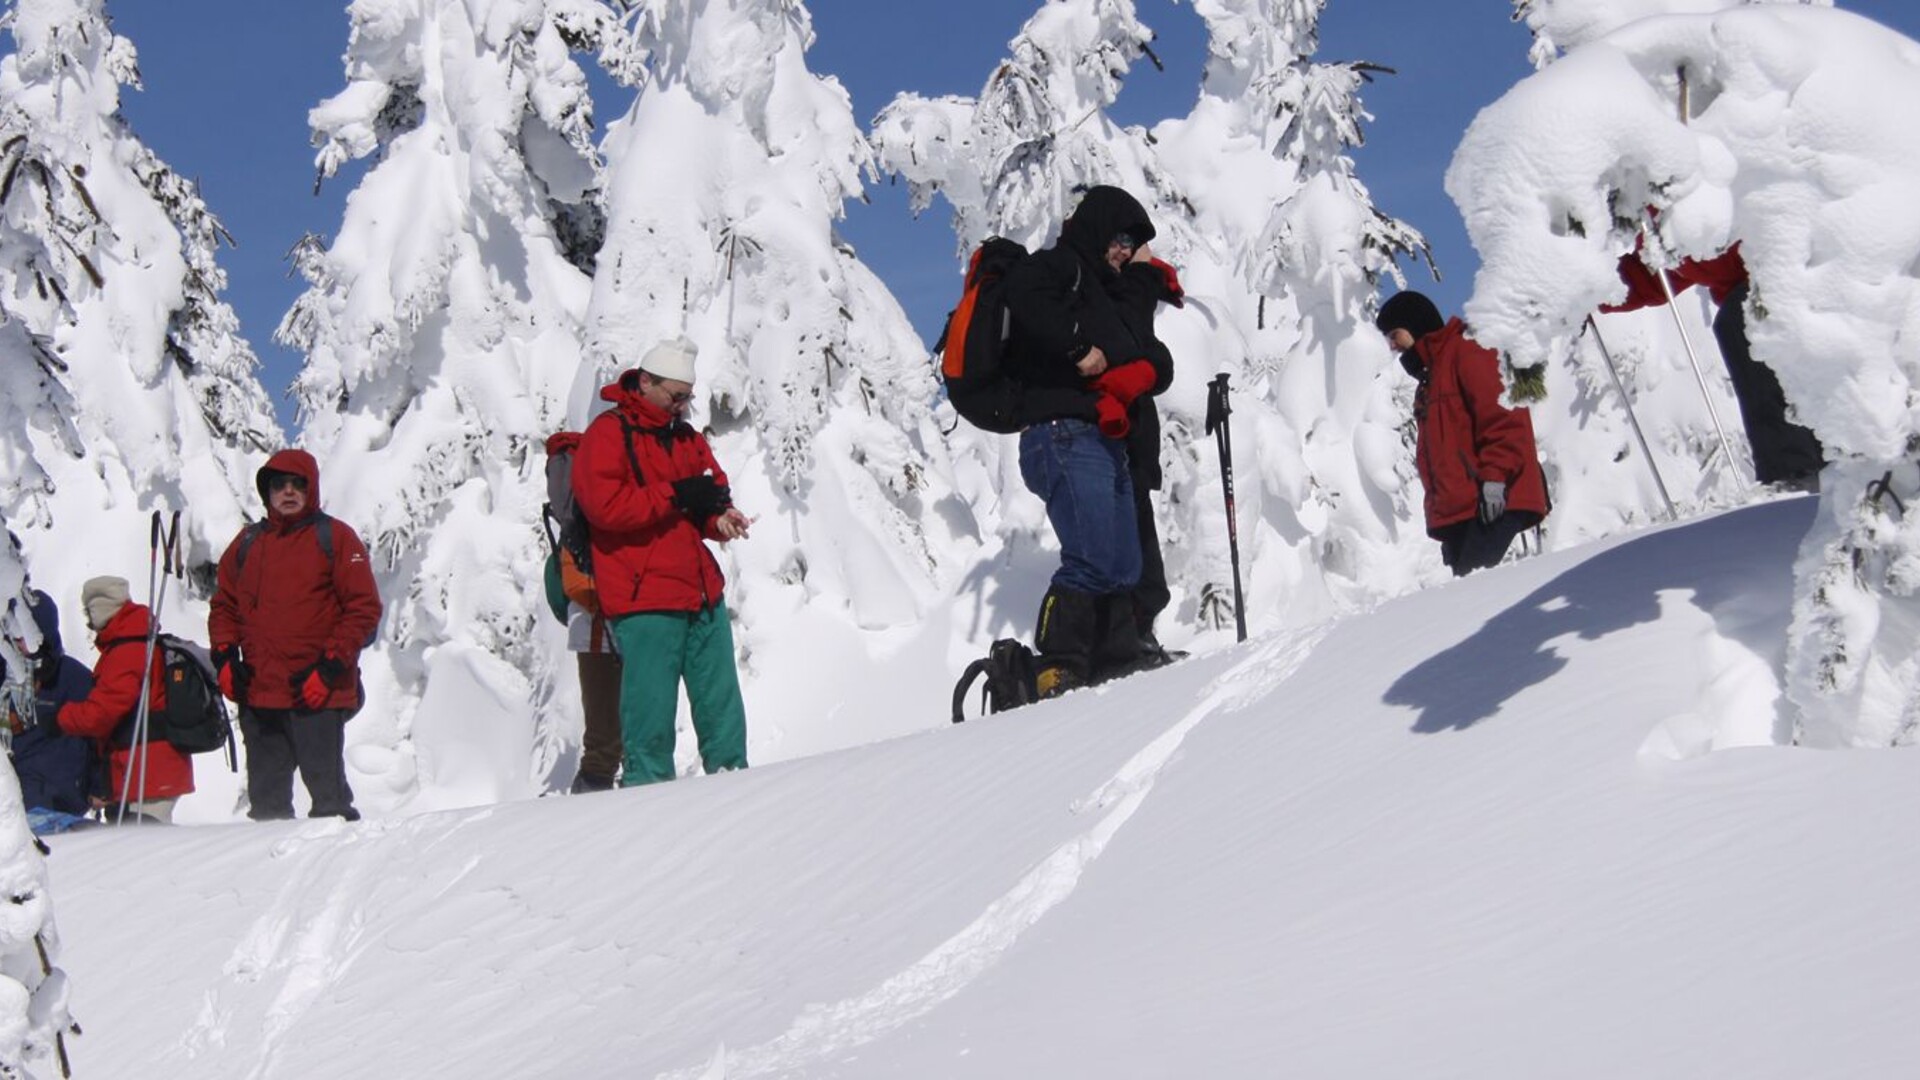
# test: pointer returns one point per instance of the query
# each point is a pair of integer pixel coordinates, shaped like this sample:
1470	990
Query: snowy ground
1472	833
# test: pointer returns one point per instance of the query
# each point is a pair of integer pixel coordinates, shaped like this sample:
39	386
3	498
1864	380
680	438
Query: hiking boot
587	783
1051	682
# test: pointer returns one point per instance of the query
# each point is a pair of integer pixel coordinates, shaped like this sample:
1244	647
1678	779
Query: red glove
1176	295
318	685
314	691
1118	387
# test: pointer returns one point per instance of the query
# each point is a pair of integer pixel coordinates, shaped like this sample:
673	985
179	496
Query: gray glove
1493	501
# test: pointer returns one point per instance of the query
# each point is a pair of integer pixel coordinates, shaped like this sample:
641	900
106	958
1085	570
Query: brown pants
600	701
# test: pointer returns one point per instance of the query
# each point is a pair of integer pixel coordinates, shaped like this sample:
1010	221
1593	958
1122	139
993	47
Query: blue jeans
1083	477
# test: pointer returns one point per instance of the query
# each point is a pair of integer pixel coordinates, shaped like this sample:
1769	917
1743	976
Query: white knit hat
103	597
671	359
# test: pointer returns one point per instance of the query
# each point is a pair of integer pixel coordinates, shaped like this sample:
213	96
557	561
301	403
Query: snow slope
1469	833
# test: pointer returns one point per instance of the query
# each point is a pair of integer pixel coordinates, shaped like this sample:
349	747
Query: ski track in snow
311	933
822	1030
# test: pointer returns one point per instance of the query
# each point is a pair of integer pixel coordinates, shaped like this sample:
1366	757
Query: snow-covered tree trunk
725	179
1794	163
124	383
33	991
442	328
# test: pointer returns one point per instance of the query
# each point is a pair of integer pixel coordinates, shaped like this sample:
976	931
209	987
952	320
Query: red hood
626	396
297	462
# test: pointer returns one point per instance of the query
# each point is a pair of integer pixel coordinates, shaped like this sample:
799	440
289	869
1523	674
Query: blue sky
228	88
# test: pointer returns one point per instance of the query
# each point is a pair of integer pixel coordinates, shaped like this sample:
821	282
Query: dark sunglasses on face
1125	240
680	398
297	483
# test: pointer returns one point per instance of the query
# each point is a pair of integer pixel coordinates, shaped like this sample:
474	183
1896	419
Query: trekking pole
1645	451
161	559
138	758
1693	358
1218	410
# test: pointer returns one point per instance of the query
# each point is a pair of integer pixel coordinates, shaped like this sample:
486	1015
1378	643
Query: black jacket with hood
1066	299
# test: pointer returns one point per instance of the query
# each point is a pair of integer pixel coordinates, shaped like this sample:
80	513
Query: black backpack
195	719
972	346
1010	668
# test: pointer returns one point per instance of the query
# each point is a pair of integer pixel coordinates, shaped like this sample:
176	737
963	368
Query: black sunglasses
280	480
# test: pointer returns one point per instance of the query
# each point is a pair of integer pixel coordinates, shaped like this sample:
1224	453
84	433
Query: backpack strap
628	429
322	531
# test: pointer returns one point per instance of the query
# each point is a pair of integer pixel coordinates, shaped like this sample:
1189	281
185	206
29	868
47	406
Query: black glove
1493	501
46	714
701	498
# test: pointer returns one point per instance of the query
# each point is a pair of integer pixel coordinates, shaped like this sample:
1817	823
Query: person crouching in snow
159	773
1476	457
57	773
295	603
653	495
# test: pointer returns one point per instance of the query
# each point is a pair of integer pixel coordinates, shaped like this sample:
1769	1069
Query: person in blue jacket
57	772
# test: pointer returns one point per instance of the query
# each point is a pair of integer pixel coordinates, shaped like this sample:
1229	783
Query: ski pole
1645	452
1693	358
1218	425
163	557
136	752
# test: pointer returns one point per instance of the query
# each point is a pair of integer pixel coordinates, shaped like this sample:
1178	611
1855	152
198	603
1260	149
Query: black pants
1150	595
1782	449
279	741
1472	545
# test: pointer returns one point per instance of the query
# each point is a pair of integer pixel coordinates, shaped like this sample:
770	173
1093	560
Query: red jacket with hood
1466	437
286	605
647	555
115	697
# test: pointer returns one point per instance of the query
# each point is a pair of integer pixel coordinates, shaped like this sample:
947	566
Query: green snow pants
658	649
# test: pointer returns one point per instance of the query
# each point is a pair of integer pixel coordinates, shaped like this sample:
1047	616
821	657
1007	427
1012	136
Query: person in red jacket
107	714
1784	452
653	495
294	605
1476	457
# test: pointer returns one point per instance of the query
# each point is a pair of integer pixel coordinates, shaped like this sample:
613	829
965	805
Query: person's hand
1093	363
45	714
701	497
1493	500
732	525
320	679
1112	413
234	674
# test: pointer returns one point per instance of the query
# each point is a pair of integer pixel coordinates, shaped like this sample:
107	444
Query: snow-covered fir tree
127	386
34	1020
726	177
1339	513
1560	25
1277	288
1681	115
441	328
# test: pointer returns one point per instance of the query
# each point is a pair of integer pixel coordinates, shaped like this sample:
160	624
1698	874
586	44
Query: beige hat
103	597
671	359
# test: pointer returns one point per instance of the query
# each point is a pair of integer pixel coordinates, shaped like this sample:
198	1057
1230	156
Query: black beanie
1409	311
